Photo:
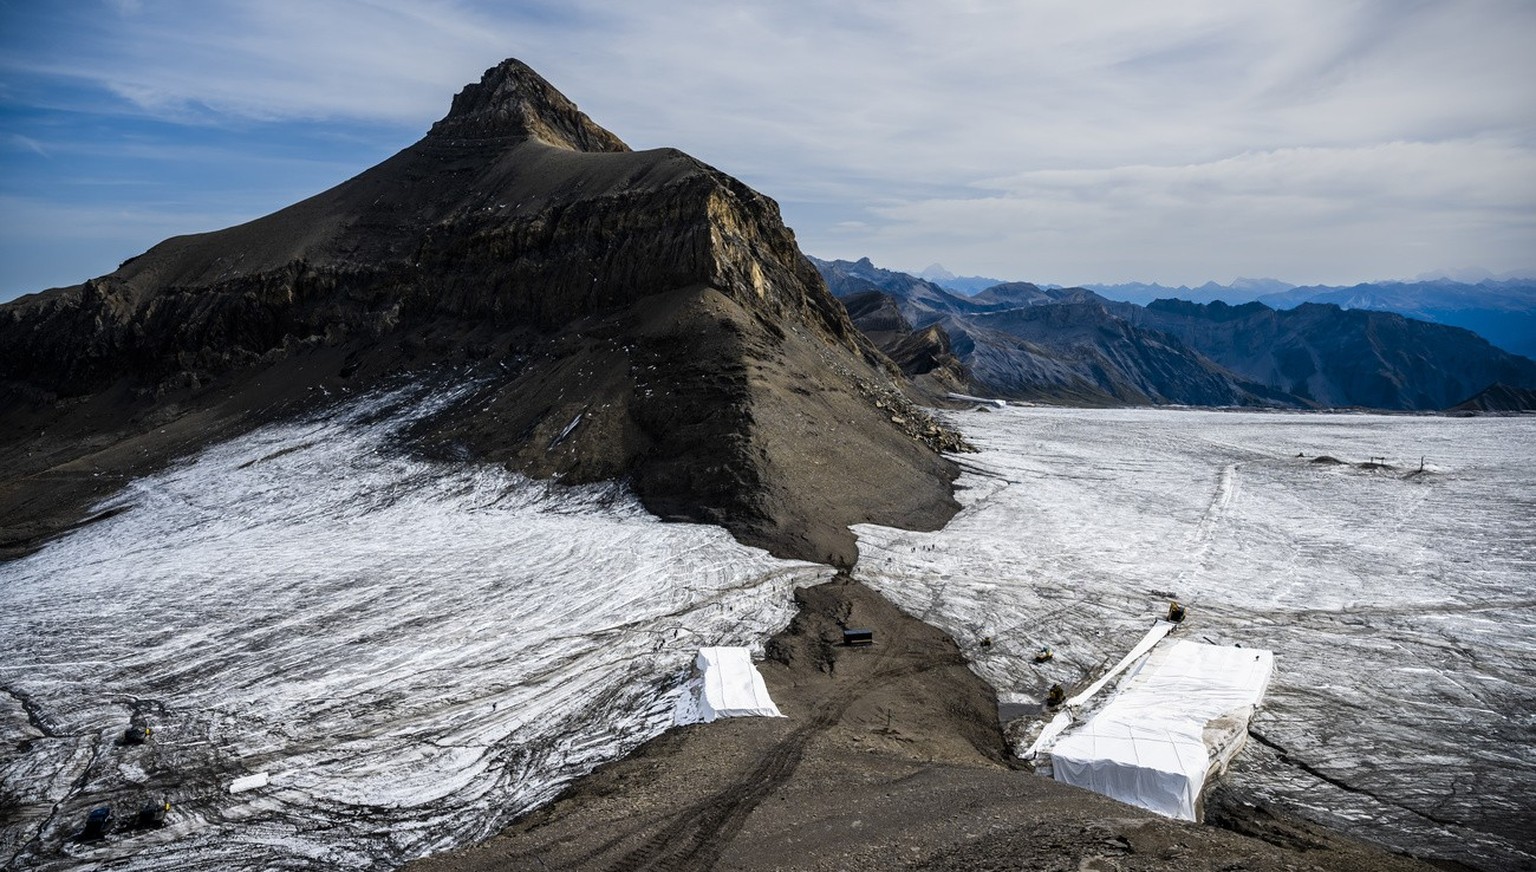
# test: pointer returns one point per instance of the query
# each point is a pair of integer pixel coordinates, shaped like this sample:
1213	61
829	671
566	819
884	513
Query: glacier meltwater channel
413	652
1400	604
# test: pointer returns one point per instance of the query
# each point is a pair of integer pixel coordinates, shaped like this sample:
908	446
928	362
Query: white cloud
1463	174
380	60
27	143
1089	119
1314	214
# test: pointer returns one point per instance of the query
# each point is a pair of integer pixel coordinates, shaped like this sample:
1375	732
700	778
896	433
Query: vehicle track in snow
1228	486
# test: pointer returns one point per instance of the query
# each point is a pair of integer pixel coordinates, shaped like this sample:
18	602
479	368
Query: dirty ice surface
1401	606
414	652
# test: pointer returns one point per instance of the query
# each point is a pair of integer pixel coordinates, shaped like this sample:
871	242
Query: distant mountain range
947	280
1501	309
1503	312
1075	345
1239	291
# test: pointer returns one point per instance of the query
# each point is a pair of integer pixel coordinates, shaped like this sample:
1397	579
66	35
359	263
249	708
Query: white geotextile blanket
727	685
1147	745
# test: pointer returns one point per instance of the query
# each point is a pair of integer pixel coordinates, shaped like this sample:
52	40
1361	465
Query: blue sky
1186	140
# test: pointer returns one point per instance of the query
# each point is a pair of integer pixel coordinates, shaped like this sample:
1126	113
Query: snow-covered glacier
414	652
1400	603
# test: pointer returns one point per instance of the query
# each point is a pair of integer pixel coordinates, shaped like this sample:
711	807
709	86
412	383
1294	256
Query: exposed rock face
518	103
521	213
924	355
628	313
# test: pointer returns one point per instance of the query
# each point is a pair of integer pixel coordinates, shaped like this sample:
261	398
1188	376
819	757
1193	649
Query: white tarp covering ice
1148	745
249	782
728	685
1063	719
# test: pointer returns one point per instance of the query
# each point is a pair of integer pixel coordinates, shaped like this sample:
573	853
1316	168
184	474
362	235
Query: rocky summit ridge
624	314
514	102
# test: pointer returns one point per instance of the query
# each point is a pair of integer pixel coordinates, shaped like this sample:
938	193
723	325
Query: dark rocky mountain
845	278
1011	295
1498	398
625	314
1074	352
925	299
924	355
1503	312
1340	357
1022	341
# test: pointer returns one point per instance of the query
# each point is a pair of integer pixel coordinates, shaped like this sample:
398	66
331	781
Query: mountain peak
613	302
511	101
